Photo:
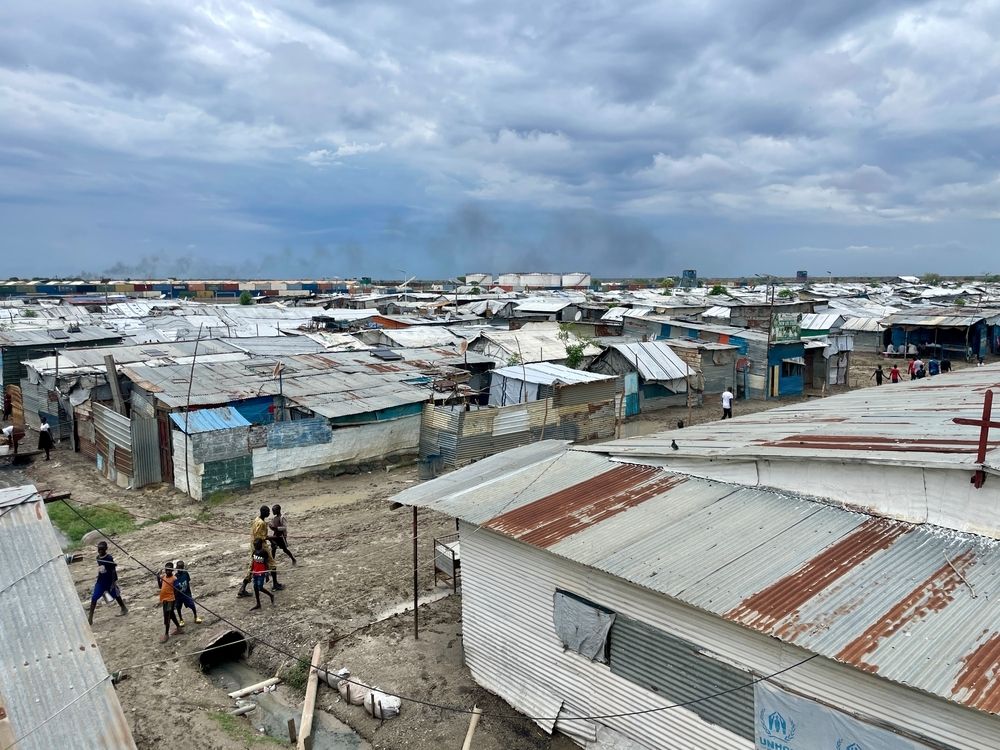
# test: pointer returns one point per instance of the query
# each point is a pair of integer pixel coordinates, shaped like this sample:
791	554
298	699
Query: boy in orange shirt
167	598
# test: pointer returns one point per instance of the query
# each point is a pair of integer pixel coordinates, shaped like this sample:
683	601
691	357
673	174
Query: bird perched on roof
673	444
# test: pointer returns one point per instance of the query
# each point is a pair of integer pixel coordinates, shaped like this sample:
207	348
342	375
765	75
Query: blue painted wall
792	385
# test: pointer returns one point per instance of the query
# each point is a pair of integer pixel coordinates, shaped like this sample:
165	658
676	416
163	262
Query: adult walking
279	531
45	437
258	532
727	404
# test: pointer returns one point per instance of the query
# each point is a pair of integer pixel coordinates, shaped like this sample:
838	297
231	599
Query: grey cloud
612	131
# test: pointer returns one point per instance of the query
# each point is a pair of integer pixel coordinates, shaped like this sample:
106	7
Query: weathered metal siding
512	649
56	689
439	433
681	672
113	436
145	450
466	436
39	401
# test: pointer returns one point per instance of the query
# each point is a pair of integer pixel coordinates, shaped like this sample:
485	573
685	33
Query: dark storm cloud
303	137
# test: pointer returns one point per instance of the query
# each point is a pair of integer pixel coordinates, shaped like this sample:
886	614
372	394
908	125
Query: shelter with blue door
764	369
946	332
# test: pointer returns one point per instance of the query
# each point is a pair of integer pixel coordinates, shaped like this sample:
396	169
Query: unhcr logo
779	730
841	745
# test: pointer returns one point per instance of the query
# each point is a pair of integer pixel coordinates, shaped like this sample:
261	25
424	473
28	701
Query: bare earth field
354	559
354	565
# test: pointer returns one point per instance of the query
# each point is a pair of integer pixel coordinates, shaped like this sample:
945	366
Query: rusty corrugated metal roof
905	601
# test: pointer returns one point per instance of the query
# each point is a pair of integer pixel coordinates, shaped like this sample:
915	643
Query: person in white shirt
45	437
11	437
727	404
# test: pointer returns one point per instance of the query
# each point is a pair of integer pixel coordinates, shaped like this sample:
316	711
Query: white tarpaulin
787	722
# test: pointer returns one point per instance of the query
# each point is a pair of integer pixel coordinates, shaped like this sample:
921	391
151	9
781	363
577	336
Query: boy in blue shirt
107	581
182	585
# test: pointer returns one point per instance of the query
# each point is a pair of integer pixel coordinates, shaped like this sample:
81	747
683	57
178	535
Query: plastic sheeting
582	626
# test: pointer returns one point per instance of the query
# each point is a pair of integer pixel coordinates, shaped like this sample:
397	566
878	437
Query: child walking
107	581
168	596
258	567
185	598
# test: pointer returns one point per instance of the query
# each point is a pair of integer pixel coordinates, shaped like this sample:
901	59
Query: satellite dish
579	315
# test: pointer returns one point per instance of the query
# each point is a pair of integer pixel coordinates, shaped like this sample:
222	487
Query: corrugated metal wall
37	401
113	436
461	437
145	450
680	672
512	649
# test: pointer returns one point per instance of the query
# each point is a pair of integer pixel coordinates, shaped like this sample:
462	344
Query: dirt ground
354	564
354	556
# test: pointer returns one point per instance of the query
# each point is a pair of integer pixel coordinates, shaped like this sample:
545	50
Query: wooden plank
309	706
116	388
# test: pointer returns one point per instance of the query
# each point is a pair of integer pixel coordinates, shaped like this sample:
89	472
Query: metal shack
721	594
654	377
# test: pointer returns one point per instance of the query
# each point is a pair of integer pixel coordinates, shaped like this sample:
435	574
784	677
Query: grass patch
239	730
296	675
112	519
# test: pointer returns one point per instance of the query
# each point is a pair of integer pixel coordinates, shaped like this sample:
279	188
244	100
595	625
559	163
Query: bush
246	298
786	294
717	289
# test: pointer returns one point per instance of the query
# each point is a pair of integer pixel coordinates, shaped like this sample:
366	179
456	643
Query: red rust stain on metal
932	595
785	596
978	685
875	443
551	519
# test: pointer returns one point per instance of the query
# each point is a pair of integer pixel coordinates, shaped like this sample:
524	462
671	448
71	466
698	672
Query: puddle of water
273	711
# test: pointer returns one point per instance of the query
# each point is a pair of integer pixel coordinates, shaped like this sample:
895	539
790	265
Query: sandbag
353	692
381	705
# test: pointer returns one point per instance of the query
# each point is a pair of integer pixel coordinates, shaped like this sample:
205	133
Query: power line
459	709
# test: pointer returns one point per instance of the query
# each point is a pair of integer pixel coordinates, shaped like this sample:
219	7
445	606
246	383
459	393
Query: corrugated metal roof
54	680
546	373
54	336
882	596
544	304
655	361
209	420
415	337
907	423
820	321
867	325
530	344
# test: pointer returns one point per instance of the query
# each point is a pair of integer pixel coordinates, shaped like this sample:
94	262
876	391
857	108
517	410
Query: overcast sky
311	138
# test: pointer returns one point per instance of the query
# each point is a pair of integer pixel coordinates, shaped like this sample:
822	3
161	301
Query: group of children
174	580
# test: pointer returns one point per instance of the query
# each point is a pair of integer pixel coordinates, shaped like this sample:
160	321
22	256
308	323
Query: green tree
668	282
931	278
717	289
513	359
246	298
960	302
786	294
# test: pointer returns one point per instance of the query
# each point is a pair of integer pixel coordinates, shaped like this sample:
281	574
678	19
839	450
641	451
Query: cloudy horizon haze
300	138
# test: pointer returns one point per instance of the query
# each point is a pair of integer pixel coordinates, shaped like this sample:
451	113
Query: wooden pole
309	706
116	388
416	609
291	731
473	723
